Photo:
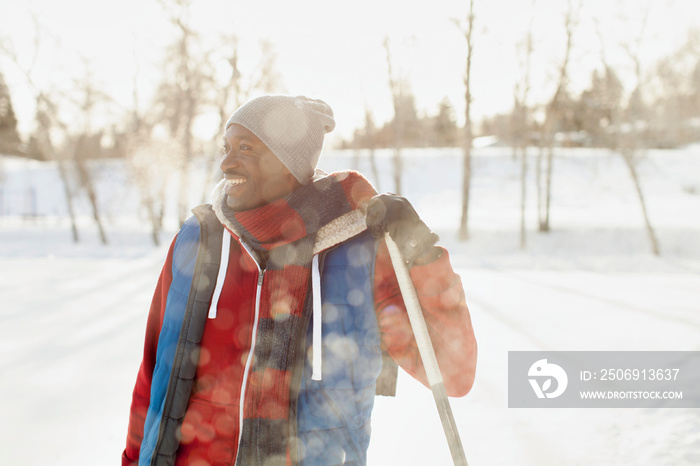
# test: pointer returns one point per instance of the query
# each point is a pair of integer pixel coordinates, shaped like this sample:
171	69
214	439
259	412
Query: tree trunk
467	171
182	194
523	192
63	173
375	171
398	166
69	199
554	115
398	142
186	162
396	95
96	212
538	181
156	222
86	182
629	161
548	186
466	185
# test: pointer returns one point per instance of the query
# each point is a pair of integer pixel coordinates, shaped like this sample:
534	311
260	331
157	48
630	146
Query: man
265	336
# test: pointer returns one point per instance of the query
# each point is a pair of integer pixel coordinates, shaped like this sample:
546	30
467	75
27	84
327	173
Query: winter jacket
188	394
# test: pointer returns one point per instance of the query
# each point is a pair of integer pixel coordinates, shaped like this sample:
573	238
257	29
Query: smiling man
277	315
254	176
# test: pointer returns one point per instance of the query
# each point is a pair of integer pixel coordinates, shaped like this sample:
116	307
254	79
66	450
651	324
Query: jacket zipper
249	360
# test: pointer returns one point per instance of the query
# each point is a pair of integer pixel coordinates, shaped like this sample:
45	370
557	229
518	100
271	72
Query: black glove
395	215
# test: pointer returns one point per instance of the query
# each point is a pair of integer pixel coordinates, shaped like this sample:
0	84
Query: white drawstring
317	344
223	267
316	341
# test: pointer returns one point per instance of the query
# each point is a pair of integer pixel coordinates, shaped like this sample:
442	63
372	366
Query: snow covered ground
73	315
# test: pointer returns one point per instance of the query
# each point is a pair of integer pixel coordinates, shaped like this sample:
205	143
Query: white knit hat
291	127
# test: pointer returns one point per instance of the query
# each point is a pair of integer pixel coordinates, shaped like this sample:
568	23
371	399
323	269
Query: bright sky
334	50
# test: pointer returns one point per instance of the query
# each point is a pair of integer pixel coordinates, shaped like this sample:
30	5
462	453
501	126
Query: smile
231	182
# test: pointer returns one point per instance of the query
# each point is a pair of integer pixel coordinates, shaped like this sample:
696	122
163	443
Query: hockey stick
427	353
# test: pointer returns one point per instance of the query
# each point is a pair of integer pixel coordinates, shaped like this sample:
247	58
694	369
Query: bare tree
265	76
47	119
365	138
553	115
628	136
88	145
181	93
467	32
674	94
147	161
148	164
520	122
396	88
369	134
10	142
227	96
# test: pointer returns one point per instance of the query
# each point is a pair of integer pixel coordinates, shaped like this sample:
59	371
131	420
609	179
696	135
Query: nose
229	160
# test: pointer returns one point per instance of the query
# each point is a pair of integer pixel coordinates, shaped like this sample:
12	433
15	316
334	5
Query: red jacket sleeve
142	390
441	296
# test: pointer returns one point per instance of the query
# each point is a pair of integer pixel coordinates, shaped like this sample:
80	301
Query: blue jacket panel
184	258
333	420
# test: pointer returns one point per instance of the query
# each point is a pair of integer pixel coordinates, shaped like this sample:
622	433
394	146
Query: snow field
73	315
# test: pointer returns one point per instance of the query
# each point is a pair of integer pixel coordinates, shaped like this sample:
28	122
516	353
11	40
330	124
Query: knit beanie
291	127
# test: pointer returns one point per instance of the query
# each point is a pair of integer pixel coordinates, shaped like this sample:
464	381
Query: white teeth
235	182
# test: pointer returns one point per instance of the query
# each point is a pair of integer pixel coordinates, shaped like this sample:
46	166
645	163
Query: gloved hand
395	215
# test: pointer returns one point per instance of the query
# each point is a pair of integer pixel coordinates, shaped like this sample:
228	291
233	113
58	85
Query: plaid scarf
286	229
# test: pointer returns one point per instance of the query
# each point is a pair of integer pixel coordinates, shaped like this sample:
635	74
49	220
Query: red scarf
287	230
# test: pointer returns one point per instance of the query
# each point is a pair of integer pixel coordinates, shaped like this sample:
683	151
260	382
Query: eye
224	148
245	147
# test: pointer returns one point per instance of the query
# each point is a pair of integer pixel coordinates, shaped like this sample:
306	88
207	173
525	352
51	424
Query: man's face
254	175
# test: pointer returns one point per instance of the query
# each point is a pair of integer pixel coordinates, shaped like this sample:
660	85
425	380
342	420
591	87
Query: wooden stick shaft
427	352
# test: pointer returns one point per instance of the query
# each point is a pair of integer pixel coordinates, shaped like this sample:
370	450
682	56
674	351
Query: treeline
432	130
665	120
663	110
